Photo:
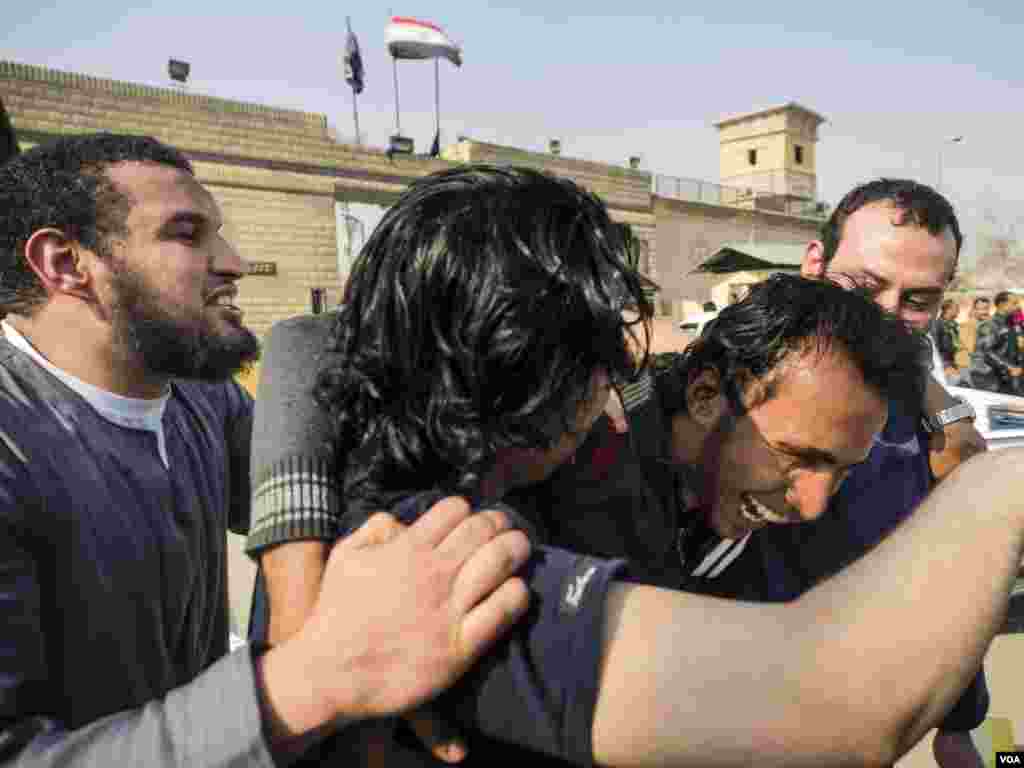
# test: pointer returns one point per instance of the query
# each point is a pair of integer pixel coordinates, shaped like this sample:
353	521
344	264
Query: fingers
440	520
379	529
492	618
437	735
488	567
471	534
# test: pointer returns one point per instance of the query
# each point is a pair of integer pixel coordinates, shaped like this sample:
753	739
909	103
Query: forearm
212	722
909	624
954	444
855	671
292	573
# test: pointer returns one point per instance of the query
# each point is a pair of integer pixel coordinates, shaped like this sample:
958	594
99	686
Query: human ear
813	264
705	401
60	264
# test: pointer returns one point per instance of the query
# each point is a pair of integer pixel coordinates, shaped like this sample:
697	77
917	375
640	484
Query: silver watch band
959	412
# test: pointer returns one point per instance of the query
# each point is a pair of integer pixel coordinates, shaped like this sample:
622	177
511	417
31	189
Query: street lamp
178	70
950	140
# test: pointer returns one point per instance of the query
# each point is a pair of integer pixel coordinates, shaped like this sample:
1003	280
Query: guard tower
767	158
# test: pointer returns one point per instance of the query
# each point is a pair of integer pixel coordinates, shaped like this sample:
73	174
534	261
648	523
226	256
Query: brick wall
275	172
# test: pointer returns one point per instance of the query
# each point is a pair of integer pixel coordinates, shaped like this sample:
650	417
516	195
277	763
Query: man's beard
178	346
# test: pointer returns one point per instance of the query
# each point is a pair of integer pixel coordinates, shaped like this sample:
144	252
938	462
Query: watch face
962	410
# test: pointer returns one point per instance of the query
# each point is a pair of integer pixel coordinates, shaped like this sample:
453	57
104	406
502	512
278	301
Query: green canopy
753	257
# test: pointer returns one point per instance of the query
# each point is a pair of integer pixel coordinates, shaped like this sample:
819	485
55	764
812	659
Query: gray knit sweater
295	493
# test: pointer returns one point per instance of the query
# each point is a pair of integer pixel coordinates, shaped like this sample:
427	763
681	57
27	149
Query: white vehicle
694	324
1000	418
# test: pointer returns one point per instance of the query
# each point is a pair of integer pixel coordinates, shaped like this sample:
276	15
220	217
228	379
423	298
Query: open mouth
756	512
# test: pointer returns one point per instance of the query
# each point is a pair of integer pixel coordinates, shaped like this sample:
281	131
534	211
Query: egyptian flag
413	39
353	62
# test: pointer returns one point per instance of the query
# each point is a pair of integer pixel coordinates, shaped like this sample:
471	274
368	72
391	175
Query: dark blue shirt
875	498
113	575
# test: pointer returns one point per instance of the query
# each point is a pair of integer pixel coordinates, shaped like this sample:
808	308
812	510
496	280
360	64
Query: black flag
8	142
353	62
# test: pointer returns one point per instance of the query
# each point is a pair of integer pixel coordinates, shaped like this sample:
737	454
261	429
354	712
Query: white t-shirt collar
129	412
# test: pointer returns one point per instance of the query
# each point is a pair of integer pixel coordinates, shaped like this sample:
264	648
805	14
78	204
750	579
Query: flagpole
355	116
437	102
354	74
398	119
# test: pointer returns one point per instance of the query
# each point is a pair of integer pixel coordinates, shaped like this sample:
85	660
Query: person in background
969	334
995	362
946	333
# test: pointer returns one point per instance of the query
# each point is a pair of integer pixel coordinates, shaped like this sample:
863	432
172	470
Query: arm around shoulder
854	672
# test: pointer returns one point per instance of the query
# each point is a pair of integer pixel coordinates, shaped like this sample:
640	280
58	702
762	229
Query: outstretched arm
854	672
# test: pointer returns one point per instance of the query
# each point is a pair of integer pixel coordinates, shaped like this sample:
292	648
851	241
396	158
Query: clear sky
895	80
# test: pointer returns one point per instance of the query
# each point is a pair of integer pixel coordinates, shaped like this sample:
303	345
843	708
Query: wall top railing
710	193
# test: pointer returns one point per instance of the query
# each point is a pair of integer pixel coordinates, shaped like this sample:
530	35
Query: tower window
798	153
752	156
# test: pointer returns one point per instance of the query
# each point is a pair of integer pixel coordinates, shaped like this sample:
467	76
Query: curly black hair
752	339
474	320
921	205
63	184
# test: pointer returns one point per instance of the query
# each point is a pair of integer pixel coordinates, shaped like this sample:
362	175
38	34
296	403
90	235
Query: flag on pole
413	39
353	62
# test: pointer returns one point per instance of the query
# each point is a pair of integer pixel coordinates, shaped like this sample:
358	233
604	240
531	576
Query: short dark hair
788	314
1001	298
8	140
922	206
63	184
980	300
473	320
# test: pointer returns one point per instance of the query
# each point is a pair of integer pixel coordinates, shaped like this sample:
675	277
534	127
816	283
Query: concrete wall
688	233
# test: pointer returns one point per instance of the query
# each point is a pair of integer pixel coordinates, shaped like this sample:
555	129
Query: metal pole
355	116
398	119
437	102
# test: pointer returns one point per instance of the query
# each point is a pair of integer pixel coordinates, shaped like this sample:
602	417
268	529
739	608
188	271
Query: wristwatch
936	422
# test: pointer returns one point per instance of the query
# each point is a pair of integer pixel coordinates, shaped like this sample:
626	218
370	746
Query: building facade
298	204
